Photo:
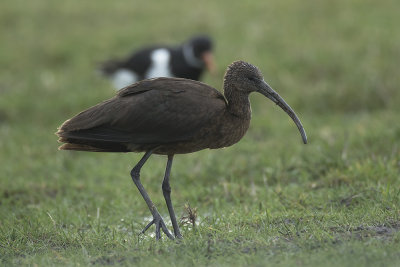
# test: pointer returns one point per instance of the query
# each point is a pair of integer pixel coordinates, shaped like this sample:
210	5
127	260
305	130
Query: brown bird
169	116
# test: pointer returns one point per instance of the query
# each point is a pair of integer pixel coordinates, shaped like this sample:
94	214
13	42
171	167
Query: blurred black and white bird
187	60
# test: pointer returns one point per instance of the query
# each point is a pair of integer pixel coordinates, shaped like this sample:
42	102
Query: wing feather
155	111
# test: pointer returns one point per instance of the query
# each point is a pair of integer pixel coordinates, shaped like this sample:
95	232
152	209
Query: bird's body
160	114
170	116
185	61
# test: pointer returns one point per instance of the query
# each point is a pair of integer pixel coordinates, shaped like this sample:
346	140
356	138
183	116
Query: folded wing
157	111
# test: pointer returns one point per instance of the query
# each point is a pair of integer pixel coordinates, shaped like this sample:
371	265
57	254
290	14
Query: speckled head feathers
242	69
242	74
240	64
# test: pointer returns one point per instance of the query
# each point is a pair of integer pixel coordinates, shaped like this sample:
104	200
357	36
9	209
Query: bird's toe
159	223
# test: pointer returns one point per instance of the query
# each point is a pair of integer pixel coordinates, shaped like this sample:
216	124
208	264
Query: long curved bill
267	91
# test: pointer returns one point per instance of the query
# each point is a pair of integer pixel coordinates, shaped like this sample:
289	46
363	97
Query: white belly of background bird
159	67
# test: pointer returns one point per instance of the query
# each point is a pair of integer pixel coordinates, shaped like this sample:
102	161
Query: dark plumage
170	116
184	61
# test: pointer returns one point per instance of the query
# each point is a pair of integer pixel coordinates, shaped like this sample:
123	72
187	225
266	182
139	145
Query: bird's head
198	52
247	78
244	76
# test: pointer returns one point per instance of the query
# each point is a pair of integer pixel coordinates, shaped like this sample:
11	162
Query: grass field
267	201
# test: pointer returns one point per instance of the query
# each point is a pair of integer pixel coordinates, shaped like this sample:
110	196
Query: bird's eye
252	79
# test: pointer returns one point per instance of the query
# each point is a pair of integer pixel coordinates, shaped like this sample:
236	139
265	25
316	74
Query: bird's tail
91	146
80	147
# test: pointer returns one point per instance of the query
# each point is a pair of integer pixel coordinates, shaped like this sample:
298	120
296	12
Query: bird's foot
159	223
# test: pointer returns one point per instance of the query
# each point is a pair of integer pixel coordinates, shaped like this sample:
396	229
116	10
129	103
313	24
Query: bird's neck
190	58
238	102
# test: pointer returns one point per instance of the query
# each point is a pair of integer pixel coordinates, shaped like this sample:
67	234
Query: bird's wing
152	111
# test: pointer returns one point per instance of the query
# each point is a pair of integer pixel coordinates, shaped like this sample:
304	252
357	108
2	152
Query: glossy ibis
169	116
184	61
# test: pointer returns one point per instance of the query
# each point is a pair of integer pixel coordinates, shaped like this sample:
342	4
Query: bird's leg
166	188
157	220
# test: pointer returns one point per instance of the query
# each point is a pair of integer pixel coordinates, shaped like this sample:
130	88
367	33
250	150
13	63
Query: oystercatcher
187	60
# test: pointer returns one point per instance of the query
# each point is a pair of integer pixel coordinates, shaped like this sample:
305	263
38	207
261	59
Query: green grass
266	201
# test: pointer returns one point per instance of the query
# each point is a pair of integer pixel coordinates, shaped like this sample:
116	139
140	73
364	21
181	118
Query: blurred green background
268	199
